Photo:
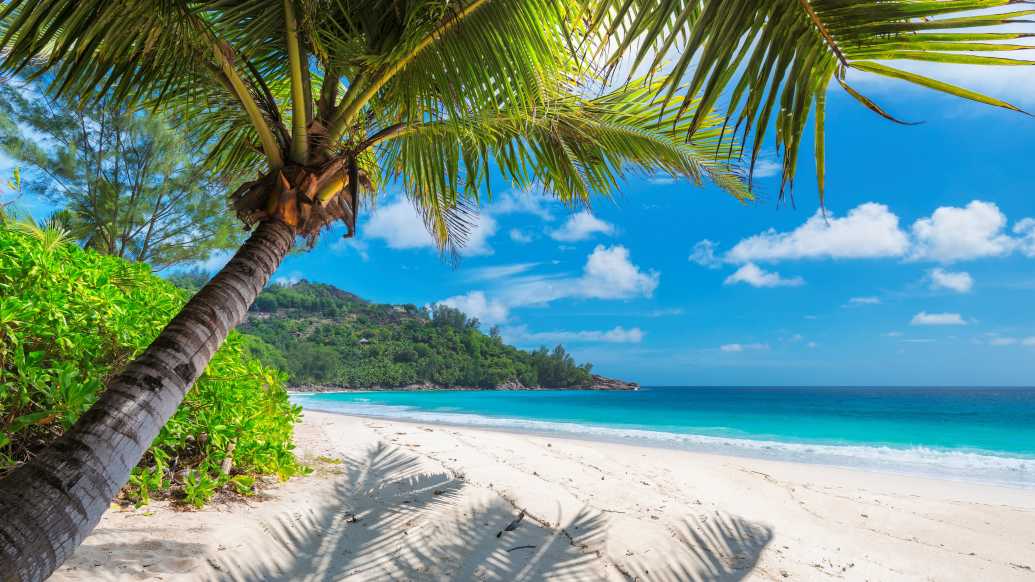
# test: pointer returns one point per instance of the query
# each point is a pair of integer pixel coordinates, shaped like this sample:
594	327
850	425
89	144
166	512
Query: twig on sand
513	525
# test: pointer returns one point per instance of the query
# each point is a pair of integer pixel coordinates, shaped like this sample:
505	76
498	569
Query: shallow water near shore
973	434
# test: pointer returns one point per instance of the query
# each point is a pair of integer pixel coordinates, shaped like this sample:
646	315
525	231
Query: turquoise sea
973	434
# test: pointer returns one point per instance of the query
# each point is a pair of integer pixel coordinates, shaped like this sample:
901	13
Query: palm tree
331	100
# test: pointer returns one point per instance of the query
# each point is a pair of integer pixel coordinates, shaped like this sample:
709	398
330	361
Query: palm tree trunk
49	504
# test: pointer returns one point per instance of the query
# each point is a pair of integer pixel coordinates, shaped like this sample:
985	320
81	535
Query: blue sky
923	274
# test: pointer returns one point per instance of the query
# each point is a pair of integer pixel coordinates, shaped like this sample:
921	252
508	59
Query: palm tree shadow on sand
392	520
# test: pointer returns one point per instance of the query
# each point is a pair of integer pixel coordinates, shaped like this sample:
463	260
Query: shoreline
393	499
863	457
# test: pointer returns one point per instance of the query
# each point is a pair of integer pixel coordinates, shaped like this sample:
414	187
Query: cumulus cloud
608	273
743	347
1025	231
1002	341
960	282
704	254
400	227
477	304
953	234
867	231
924	318
616	335
755	276
519	236
581	226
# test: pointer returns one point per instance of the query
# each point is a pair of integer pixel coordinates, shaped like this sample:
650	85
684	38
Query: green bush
71	318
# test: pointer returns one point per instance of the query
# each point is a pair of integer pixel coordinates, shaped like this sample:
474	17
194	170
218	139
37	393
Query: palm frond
570	146
773	60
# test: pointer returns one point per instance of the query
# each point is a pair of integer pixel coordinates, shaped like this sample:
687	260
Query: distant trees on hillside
322	335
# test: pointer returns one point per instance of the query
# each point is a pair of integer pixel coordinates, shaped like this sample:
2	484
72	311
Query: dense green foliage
70	318
323	335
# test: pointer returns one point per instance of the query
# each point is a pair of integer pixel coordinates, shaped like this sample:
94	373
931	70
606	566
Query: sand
409	501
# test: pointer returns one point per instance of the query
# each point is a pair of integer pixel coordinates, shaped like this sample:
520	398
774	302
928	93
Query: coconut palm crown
326	102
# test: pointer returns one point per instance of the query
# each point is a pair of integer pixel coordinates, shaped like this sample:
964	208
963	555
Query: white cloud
287	280
960	282
360	246
893	334
666	312
868	231
522	203
812	344
661	179
617	335
752	275
743	347
609	274
1025	229
704	254
870	300
581	226
924	318
519	236
498	271
959	234
400	227
767	168
1002	341
476	304
1028	341
398	224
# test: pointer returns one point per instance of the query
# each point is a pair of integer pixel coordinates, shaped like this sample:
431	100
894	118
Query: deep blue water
985	434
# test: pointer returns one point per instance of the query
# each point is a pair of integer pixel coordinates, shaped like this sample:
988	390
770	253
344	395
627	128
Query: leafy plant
71	318
199	487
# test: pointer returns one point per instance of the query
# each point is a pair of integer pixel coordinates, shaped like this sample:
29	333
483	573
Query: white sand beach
428	502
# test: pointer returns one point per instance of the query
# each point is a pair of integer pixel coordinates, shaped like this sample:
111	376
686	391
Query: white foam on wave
967	465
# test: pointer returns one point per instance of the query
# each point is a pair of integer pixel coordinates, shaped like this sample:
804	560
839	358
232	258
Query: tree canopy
125	182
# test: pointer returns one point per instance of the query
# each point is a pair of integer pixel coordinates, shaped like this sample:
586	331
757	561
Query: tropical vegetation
127	184
330	101
324	336
70	318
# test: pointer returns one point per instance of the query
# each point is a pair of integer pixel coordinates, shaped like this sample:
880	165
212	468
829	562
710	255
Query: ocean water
972	434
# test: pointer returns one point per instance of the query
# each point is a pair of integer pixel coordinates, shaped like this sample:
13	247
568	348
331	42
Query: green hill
325	337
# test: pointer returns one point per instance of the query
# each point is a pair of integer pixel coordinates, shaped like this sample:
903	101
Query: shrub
71	318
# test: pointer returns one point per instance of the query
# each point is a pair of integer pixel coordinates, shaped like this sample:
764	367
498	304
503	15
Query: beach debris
521	548
514	524
785	573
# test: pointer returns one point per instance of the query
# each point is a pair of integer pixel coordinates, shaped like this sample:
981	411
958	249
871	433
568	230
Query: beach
391	500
